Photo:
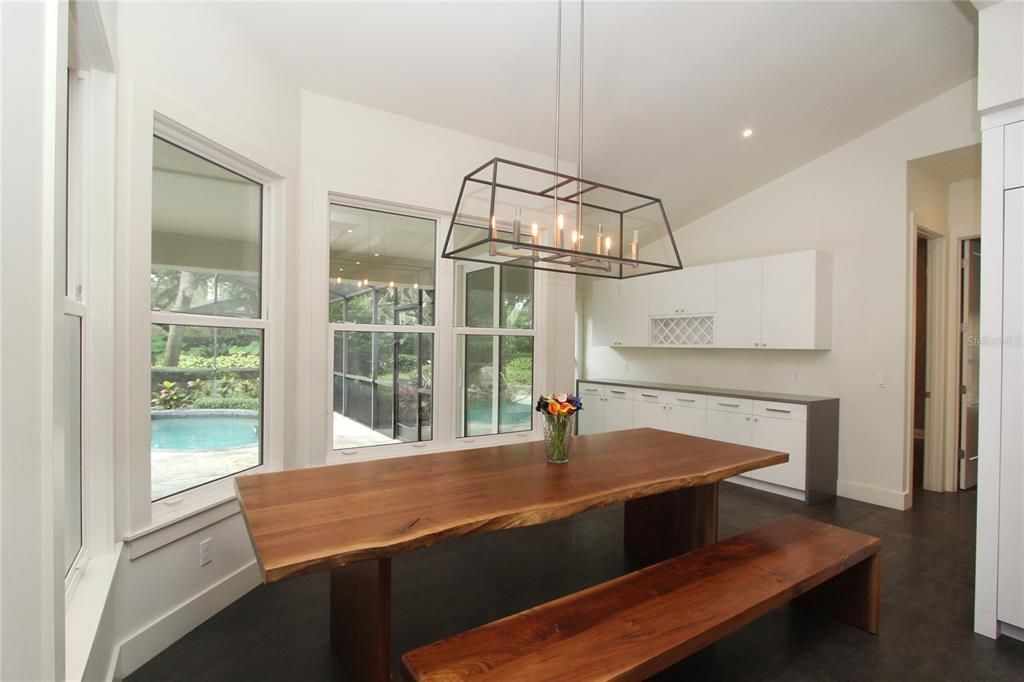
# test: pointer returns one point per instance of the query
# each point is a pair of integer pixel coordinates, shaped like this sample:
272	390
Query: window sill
84	610
173	522
367	454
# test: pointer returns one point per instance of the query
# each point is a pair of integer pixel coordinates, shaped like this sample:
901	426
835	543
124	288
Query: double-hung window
208	324
382	323
495	347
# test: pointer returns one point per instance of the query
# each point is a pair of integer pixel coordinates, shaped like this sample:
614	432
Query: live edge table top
308	520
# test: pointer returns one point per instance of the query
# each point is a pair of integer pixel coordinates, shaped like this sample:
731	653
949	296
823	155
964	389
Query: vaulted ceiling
668	89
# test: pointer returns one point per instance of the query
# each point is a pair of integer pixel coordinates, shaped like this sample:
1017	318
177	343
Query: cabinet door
738	304
697	290
692	421
782	435
619	314
618	414
591	418
664	295
731	427
1010	606
649	414
788	300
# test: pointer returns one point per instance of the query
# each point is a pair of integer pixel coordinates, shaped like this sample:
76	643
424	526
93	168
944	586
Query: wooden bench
634	626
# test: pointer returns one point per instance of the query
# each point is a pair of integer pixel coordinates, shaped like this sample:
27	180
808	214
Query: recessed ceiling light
376	254
350	229
341	269
746	133
358	263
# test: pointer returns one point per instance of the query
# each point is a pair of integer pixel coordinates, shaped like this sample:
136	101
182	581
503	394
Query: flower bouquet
559	410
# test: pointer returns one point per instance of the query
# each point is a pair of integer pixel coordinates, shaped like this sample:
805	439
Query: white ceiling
669	86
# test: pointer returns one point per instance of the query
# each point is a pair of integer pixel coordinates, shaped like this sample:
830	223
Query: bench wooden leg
854	596
361	619
662	526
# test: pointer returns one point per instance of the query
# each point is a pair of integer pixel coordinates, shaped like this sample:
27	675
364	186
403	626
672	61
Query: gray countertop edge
708	390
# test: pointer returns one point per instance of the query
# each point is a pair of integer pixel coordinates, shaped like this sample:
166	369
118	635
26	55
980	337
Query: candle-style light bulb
416	285
391	285
575	238
634	248
607	246
558	231
535	231
493	248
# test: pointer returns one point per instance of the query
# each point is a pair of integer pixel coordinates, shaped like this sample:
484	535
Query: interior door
738	304
970	332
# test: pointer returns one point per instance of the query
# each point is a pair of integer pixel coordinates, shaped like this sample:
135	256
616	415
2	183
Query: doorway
925	346
970	315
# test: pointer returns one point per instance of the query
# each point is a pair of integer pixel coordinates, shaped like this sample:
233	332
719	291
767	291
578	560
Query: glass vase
558	438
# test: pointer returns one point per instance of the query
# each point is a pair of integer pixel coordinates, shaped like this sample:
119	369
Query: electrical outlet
881	379
205	556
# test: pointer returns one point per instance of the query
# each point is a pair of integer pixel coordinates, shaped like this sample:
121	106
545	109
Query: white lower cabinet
771	425
618	414
604	409
784	435
731	427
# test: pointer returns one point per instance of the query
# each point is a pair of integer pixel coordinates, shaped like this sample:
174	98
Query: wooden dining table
350	519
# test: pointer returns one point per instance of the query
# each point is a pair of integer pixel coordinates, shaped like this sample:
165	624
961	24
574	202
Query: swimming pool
205	432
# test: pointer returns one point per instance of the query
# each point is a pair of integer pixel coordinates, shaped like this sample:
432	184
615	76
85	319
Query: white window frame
445	383
89	252
151	115
461	331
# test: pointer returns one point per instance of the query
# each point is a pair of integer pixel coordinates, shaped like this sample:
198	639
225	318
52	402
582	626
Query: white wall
1000	54
189	54
32	36
852	202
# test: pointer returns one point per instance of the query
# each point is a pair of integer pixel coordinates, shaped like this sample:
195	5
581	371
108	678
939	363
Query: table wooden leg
361	619
662	526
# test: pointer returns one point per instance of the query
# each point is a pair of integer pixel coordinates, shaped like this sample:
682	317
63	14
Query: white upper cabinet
796	297
782	302
738	304
690	291
619	312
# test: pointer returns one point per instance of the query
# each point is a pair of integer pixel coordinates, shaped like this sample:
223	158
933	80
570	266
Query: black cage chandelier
511	213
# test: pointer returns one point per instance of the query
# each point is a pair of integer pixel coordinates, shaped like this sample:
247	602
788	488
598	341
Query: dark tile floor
280	632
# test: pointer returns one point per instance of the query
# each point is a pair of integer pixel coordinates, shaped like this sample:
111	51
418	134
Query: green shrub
236	402
232	360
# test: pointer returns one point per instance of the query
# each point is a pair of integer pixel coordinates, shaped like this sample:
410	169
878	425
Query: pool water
204	433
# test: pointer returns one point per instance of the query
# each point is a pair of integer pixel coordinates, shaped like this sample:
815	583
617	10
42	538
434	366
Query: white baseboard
893	499
150	640
768	487
1013	631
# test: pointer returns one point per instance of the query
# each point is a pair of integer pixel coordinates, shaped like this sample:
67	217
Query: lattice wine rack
692	330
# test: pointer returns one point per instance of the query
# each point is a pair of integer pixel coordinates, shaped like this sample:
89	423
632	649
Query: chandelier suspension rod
579	151
558	91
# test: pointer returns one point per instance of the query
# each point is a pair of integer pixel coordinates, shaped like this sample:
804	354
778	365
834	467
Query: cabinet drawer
723	404
619	392
765	408
648	396
685	399
592	389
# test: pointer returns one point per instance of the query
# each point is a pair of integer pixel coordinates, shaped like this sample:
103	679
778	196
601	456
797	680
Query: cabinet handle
647	395
686	400
618	392
748	418
777	409
729	404
590	390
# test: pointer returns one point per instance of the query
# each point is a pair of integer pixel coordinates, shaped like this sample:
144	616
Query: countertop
708	390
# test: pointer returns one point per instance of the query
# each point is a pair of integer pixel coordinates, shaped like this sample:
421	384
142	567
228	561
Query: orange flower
565	408
552	407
